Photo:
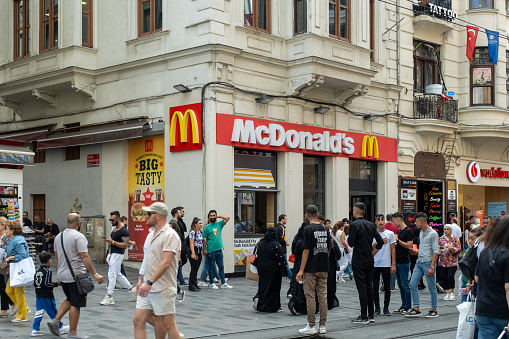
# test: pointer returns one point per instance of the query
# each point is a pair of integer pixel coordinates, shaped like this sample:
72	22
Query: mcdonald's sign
370	147
185	128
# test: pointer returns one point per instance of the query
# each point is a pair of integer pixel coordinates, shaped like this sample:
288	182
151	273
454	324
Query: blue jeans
180	277
288	267
349	270
393	281
205	271
420	270
214	258
404	287
490	327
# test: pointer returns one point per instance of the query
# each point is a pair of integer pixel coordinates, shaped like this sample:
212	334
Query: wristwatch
149	282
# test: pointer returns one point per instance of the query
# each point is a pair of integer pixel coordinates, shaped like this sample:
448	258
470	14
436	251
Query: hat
158	208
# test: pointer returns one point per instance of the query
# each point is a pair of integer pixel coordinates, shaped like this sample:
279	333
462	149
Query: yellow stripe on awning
253	178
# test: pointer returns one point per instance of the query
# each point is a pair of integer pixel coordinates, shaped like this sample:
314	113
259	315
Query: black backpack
469	262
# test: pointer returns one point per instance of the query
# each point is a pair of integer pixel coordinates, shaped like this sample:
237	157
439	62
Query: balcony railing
432	106
422	6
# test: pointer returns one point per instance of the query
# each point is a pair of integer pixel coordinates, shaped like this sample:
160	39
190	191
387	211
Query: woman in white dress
340	238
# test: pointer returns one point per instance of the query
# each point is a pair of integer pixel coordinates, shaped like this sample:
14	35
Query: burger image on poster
137	212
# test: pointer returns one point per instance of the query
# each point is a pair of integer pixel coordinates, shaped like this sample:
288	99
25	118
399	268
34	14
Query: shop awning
253	178
94	136
26	135
16	155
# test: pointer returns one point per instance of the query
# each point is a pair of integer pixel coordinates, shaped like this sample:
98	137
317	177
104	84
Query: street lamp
182	88
264	99
322	109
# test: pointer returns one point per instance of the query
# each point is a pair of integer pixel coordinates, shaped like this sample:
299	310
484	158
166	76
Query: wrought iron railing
433	106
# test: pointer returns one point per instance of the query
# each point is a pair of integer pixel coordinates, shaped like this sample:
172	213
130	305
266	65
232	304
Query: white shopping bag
22	273
466	321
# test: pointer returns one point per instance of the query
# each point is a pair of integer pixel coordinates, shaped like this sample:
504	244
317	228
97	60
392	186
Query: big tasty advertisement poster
146	186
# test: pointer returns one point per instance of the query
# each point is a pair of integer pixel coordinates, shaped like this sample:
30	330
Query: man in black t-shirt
362	233
49	237
404	242
119	240
26	221
40	229
314	269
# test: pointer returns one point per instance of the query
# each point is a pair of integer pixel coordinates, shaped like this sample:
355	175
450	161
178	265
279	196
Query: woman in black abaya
271	267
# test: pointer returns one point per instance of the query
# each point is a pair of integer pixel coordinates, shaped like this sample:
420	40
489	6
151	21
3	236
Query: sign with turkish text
185	128
408	195
474	172
92	160
260	134
431	198
429	165
243	247
145	186
497	208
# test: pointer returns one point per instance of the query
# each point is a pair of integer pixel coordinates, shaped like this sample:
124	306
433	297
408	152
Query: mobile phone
104	237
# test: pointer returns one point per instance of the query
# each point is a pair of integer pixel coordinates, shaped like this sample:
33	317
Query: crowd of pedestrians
374	255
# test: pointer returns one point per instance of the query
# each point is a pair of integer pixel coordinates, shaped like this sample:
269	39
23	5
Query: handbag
22	273
468	263
466	321
291	258
4	268
84	284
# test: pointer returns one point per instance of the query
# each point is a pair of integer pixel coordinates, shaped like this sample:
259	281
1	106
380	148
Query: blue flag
493	45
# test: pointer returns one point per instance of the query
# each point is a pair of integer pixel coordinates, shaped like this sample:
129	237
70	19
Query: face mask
213	220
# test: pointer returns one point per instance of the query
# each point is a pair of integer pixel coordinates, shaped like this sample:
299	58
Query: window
72	152
150	16
314	182
49	25
257	14
300	17
339	19
21	29
40	156
479	4
425	65
86	23
481	79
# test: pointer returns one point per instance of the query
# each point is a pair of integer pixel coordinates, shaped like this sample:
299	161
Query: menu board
408	195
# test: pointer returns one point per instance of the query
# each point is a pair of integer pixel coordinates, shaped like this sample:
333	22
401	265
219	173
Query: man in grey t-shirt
75	245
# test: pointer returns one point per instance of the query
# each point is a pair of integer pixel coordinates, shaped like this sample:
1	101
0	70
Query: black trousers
364	282
447	273
5	300
195	266
386	277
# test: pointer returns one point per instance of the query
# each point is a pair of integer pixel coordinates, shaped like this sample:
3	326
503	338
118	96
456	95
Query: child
45	300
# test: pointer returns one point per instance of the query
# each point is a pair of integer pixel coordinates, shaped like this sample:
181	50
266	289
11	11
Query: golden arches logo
183	123
370	147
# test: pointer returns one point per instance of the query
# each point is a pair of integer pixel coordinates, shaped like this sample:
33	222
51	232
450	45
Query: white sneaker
447	297
64	329
341	281
107	301
37	333
225	285
451	297
345	275
133	294
217	281
322	330
203	284
308	330
214	286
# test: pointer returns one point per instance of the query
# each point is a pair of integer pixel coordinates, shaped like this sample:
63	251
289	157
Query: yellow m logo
183	123
370	147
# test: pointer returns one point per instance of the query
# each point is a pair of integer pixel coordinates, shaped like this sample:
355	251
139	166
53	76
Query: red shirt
390	226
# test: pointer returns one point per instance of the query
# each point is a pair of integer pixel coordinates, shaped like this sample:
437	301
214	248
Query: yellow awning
253	178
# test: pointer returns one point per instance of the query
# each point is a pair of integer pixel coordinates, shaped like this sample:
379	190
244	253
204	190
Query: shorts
73	296
161	303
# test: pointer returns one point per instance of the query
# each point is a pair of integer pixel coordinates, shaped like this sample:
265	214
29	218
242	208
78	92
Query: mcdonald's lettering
370	147
184	124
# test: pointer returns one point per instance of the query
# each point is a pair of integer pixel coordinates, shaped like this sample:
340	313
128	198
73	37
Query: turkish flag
472	33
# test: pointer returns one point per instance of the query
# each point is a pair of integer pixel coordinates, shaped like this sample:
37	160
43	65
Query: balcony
434	15
432	106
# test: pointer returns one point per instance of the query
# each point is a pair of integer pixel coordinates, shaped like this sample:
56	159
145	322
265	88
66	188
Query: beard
213	220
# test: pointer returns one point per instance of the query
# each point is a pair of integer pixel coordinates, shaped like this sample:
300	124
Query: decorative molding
83	87
49	97
229	75
345	96
12	104
301	86
219	70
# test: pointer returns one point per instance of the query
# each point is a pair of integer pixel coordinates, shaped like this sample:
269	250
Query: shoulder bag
84	284
468	263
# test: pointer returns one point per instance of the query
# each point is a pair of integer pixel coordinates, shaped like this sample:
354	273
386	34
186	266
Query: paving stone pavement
229	314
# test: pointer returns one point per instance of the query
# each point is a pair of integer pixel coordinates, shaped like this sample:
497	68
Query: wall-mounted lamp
322	109
182	88
264	99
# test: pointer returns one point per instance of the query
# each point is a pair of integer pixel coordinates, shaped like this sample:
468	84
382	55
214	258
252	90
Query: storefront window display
363	186
314	182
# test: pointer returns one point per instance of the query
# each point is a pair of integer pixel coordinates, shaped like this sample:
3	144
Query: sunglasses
151	213
111	220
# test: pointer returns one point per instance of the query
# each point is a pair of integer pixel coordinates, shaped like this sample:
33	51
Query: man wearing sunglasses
118	241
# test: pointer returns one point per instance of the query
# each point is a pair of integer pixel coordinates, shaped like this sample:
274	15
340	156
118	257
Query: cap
157	207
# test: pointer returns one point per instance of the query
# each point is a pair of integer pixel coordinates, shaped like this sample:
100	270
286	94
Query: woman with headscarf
271	267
